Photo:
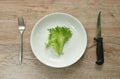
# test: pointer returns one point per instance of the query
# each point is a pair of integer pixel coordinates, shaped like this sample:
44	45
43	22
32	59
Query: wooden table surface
84	10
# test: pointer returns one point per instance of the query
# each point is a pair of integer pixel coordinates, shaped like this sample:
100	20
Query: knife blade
99	41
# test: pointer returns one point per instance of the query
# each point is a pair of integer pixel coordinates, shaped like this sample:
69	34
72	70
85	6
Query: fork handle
21	49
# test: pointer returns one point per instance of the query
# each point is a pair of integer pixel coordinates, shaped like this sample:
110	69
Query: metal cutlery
21	28
99	41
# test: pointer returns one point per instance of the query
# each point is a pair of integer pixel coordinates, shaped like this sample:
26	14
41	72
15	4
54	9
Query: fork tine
20	21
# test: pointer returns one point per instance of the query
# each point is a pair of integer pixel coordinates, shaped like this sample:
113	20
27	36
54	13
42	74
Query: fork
21	28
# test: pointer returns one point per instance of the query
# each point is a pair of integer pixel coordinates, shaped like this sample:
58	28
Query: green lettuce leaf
57	38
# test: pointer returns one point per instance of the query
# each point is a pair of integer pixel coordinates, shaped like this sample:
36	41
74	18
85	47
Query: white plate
73	49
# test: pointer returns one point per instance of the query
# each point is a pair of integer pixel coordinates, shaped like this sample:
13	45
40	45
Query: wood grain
86	11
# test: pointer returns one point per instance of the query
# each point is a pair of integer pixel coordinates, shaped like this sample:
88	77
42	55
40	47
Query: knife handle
99	51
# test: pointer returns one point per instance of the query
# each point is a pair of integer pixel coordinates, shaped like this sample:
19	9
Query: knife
99	41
